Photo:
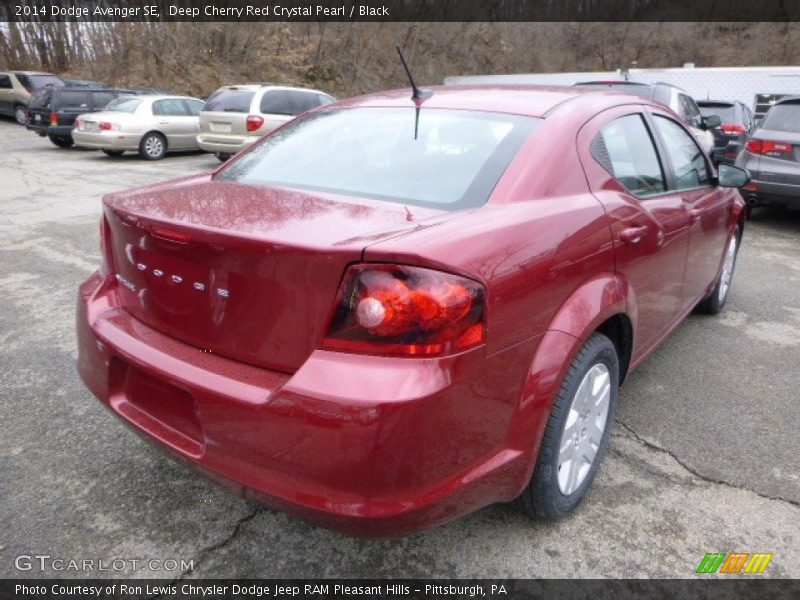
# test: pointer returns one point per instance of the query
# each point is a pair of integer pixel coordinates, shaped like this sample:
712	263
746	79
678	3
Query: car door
175	122
6	93
707	207
648	221
194	108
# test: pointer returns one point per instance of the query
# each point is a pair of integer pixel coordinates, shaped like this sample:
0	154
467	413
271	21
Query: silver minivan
235	116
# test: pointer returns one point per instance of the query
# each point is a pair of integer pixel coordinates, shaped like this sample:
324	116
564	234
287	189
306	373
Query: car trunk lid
243	271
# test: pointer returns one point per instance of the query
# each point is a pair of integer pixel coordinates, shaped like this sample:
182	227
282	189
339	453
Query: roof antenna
417	94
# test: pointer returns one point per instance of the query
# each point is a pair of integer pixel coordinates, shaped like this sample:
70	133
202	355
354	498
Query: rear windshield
230	101
431	157
783	117
725	112
41	99
123	104
39	81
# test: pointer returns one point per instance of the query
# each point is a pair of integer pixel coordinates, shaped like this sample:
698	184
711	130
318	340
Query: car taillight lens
106	126
77	123
770	148
53	119
409	311
732	128
254	123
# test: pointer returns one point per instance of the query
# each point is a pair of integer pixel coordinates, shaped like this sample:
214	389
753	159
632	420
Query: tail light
770	148
409	311
53	119
732	128
106	126
254	123
77	123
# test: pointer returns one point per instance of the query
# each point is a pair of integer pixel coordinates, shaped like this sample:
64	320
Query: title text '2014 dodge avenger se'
393	311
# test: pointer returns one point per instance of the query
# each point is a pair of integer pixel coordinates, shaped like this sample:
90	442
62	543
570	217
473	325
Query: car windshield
230	101
783	117
431	157
125	105
725	112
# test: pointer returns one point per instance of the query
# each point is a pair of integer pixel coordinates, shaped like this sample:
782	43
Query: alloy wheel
20	115
584	428
154	146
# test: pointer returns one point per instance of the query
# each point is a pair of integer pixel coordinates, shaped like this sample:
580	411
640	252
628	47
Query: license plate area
220	127
88	125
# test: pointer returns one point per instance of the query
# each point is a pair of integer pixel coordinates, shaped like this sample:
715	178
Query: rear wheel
112	152
576	436
62	141
221	157
20	114
715	301
153	146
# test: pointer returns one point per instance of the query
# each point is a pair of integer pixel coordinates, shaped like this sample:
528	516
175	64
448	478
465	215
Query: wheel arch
159	133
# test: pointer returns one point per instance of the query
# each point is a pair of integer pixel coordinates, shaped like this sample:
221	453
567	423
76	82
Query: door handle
633	235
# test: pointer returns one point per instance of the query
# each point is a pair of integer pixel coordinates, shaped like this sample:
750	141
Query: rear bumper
767	192
366	445
106	140
51	130
224	144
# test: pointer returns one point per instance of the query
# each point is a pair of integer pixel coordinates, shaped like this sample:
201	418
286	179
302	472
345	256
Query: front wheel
715	301
576	436
153	146
62	141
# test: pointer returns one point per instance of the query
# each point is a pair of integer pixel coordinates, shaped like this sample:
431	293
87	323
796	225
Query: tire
715	301
113	152
153	146
62	141
222	157
554	492
21	114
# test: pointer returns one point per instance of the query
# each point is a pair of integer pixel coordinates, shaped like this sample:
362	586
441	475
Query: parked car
16	89
736	122
149	125
53	111
772	156
395	311
235	116
669	95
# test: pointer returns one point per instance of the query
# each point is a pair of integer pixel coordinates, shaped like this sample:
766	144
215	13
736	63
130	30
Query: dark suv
772	155
736	122
52	111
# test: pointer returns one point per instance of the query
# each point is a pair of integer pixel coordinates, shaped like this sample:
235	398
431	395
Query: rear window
230	101
41	99
73	100
433	157
124	105
726	112
288	102
783	117
31	82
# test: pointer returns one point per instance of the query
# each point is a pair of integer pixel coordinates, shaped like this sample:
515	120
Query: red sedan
394	311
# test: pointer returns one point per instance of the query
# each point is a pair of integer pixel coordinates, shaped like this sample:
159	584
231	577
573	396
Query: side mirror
732	177
711	122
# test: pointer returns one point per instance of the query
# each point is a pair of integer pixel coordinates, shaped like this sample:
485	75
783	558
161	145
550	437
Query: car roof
261	86
154	97
29	73
528	100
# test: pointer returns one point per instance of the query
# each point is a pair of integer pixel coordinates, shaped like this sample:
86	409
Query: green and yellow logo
735	563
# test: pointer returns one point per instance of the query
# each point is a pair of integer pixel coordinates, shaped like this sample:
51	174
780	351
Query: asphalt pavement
704	456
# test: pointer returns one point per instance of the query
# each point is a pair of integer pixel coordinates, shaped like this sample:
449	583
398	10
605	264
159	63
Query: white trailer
757	87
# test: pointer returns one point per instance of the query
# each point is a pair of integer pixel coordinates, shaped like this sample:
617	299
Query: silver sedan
149	125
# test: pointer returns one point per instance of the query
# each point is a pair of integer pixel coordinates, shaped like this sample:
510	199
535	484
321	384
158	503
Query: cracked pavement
704	455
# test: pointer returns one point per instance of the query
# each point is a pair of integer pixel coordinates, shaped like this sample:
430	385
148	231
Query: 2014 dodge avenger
396	310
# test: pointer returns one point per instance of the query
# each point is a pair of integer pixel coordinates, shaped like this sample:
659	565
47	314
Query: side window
325	99
69	100
276	102
5	82
100	99
194	106
625	149
303	101
690	110
171	107
691	168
